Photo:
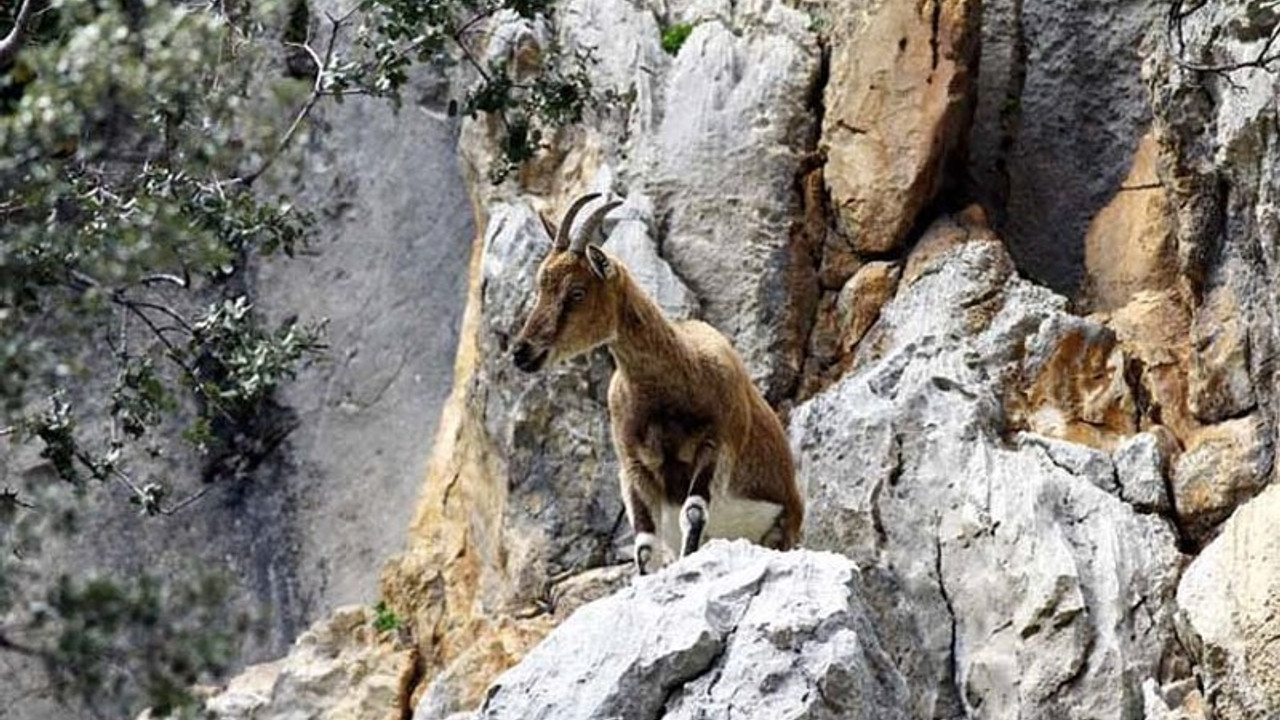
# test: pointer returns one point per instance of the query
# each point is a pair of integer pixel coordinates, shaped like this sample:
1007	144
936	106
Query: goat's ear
551	229
599	263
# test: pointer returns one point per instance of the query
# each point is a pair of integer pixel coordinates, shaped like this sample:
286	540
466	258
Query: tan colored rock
1223	465
462	684
1220	383
838	261
341	669
454	552
858	305
896	104
941	238
1154	329
1229	600
1076	388
1130	245
457	688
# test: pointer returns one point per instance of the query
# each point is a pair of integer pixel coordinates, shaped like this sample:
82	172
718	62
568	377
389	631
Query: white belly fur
729	518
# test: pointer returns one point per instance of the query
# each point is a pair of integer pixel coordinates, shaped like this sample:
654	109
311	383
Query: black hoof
643	555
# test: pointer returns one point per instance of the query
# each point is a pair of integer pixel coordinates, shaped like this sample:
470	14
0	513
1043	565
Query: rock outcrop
1229	601
343	668
733	629
895	109
1034	589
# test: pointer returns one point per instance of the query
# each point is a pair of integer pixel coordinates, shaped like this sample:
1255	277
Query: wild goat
699	448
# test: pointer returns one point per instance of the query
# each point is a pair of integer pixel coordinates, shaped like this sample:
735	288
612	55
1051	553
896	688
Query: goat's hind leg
693	514
781	536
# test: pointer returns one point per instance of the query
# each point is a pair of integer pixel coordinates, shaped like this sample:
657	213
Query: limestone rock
1220	385
895	106
1222	153
1229	600
1130	246
461	685
1223	465
1078	460
1142	469
1030	590
1178	701
1154	331
733	626
632	241
721	165
388	272
340	669
1062	110
1077	386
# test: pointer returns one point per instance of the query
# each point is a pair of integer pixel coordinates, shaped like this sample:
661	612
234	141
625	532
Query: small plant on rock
674	36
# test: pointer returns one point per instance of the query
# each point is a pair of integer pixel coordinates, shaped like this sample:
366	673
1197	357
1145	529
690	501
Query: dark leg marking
693	514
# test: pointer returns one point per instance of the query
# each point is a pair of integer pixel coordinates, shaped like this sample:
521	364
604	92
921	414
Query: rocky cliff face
1040	428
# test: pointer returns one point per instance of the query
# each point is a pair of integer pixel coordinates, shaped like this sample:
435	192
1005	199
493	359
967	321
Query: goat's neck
646	348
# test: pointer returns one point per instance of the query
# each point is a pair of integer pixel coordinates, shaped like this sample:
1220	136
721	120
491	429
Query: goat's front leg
693	514
641	517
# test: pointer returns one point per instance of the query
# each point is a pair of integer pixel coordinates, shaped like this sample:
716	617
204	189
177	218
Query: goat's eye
577	295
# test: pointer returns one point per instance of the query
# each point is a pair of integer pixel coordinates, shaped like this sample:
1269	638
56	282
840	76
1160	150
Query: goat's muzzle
527	359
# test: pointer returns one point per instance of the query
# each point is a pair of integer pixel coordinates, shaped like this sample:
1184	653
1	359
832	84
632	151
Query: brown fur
681	402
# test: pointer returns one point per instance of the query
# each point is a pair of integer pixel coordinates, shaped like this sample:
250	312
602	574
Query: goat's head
577	305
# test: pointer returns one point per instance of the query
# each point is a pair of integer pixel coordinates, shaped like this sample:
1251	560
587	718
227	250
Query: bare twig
8	645
343	17
143	498
317	92
466	52
11	42
157	278
462	29
1179	11
190	499
172	314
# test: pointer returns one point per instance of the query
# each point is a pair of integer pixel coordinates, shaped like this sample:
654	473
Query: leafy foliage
133	147
673	37
385	619
128	213
527	96
119	644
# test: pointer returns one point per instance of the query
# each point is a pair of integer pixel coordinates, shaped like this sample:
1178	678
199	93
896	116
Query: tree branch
8	645
1261	60
11	42
317	92
180	505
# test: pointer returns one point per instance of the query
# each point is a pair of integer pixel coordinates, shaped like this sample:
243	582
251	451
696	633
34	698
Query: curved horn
566	225
590	226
